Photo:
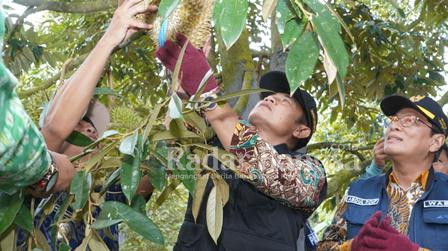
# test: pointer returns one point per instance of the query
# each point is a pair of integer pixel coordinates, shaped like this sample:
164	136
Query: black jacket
252	221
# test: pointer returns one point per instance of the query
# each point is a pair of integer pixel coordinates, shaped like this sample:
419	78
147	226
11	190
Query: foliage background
393	46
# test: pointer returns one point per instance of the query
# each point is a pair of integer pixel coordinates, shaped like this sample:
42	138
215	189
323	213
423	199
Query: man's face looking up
280	114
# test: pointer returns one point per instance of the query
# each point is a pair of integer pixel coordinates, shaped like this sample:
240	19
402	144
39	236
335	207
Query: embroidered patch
362	201
435	203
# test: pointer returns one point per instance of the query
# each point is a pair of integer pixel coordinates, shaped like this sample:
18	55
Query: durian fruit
191	18
124	118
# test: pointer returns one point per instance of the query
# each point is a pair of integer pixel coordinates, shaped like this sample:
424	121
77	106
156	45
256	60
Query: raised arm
297	181
72	100
24	158
193	69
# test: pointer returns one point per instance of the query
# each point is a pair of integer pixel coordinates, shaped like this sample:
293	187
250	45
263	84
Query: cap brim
99	115
274	81
393	104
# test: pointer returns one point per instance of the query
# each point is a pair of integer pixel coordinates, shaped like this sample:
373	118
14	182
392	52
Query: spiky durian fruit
191	18
124	118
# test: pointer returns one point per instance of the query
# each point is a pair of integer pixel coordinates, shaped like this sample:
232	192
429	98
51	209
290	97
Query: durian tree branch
70	7
72	65
347	147
237	68
52	80
444	99
260	54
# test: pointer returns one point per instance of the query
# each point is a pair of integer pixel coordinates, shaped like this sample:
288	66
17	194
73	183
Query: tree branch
73	64
70	7
347	147
51	81
444	99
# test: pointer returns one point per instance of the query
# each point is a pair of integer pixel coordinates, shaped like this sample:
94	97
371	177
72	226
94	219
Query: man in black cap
412	197
276	188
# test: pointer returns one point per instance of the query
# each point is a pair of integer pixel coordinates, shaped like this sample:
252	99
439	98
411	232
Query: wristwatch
48	181
209	98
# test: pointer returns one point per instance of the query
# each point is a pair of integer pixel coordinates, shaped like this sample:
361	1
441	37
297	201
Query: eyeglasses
405	121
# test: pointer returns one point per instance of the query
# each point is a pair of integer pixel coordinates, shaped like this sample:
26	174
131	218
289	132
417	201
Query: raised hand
124	23
379	155
194	64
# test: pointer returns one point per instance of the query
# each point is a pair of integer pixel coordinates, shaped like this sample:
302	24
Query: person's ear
301	132
437	141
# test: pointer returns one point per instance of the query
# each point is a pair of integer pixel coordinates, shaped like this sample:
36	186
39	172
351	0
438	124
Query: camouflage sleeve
297	181
24	158
335	235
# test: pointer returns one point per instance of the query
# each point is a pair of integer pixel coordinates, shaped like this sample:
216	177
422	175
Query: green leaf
293	29
192	118
157	173
332	42
79	139
103	221
9	207
166	7
99	156
130	176
232	20
240	93
113	211
175	107
112	178
322	10
64	247
282	15
217	12
139	203
201	183
301	60
289	26
80	186
184	172
127	146
105	91
167	135
24	219
151	121
177	127
165	193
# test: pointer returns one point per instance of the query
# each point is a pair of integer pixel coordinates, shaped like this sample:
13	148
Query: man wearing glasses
407	208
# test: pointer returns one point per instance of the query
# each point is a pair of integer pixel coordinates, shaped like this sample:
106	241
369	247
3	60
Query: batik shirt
296	181
401	203
24	158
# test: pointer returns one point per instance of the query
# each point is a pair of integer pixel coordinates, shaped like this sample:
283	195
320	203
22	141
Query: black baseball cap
423	104
277	82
